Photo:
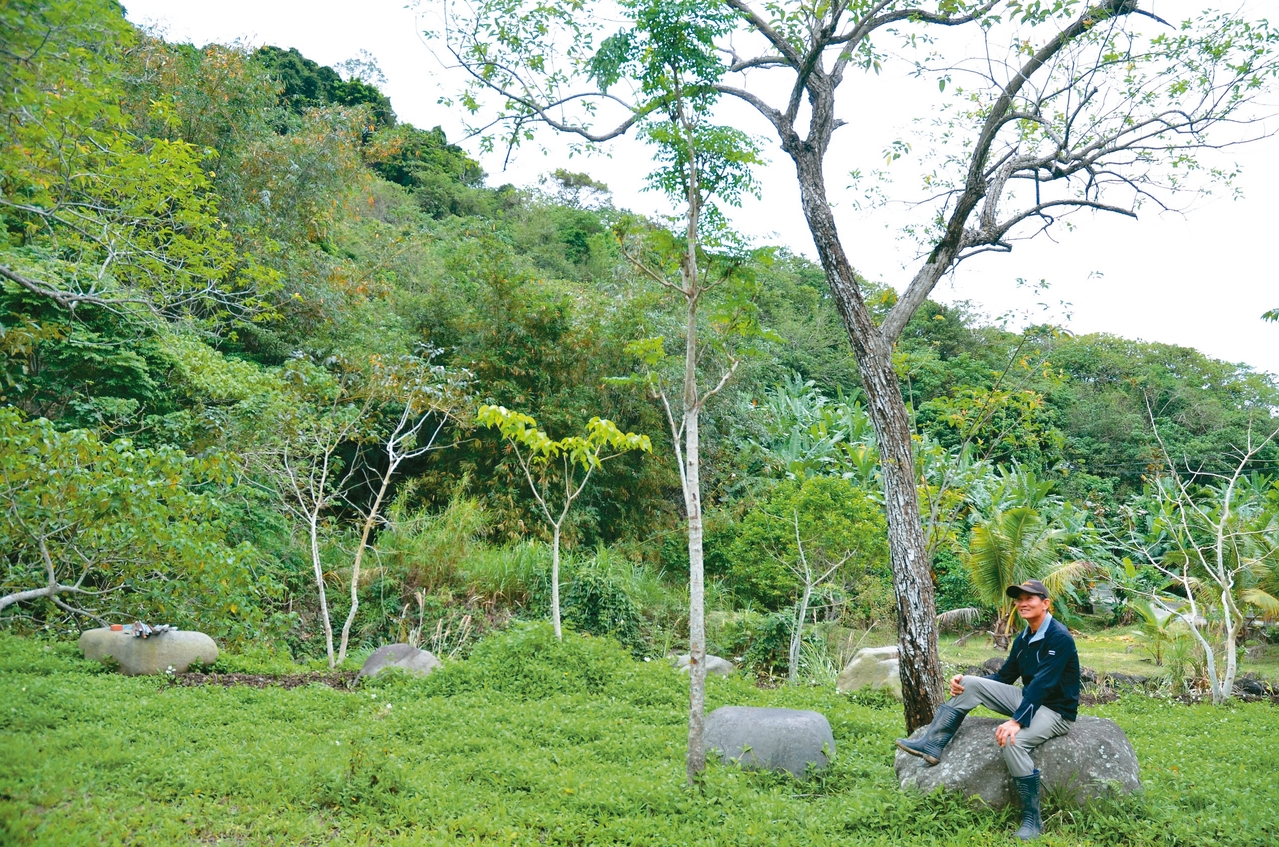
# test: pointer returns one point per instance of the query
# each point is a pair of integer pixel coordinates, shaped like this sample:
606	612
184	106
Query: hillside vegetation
228	276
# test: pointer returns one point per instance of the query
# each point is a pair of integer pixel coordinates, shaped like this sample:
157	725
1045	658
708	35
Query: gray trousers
1006	699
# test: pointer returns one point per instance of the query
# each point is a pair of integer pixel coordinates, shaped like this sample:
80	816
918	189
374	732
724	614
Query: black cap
1030	586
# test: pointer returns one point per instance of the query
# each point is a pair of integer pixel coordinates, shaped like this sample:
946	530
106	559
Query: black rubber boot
939	733
1028	791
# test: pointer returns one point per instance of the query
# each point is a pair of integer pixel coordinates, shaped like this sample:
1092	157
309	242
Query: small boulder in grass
715	665
405	657
170	651
791	740
872	667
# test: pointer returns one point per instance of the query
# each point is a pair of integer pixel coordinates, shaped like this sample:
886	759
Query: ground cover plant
534	742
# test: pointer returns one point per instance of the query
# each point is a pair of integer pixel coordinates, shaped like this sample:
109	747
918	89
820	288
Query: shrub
525	662
596	604
836	520
953	585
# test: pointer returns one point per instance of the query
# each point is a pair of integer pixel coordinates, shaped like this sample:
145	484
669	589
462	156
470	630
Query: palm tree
1010	547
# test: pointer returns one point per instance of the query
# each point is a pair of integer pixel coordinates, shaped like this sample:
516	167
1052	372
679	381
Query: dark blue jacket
1049	672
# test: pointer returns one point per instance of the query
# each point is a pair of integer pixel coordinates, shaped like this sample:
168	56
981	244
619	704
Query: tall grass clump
513	574
424	550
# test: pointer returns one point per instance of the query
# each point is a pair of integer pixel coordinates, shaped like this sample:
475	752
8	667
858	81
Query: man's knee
1025	745
974	685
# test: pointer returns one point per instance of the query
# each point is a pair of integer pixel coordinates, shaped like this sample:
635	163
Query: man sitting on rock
1044	656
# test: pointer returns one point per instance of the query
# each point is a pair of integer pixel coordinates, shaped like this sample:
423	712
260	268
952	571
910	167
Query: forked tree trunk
797	637
921	674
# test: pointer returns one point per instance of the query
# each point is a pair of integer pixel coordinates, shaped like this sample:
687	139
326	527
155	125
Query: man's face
1031	606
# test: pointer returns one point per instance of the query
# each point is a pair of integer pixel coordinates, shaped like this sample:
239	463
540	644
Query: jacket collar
1041	632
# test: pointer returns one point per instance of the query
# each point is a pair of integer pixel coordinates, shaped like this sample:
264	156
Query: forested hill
225	269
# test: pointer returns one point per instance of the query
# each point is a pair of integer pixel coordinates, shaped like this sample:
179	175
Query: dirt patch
1098	696
341	680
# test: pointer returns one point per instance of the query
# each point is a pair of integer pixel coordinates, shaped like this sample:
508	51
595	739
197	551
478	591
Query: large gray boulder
1093	759
170	651
872	667
770	739
715	665
406	657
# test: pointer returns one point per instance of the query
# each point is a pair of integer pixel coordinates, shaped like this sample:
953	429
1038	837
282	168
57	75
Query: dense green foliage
223	268
533	742
836	524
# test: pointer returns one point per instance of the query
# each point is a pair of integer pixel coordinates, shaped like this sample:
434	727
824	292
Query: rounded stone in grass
872	667
715	665
406	657
1094	759
770	739
172	651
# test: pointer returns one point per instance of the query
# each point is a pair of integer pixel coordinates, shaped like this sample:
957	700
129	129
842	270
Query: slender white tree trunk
696	600
1232	621
313	519
369	520
555	581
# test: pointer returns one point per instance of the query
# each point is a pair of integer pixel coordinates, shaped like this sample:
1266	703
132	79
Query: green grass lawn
534	743
1116	650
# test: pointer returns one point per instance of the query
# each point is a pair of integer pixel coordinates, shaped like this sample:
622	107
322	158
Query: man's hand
957	685
1006	733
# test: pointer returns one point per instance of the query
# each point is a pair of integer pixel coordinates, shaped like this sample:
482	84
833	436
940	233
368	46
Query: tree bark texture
696	603
921	674
696	575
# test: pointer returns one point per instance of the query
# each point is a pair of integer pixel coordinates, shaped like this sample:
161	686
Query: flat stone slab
1094	759
171	651
770	739
715	665
872	667
406	657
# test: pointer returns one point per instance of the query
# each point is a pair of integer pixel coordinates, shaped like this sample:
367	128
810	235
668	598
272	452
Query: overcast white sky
1201	280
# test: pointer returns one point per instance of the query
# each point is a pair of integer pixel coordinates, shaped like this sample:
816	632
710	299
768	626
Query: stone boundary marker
770	739
172	651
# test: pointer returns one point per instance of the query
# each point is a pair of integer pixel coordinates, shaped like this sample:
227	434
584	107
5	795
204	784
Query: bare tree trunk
313	520
797	637
696	572
555	581
1231	620
369	520
921	674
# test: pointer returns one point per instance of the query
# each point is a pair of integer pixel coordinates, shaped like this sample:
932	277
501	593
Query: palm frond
1263	600
956	618
1063	578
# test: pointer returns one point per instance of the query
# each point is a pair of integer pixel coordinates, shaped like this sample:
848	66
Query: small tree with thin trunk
429	397
1214	544
557	471
289	427
809	581
299	461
